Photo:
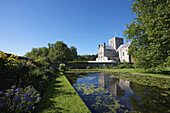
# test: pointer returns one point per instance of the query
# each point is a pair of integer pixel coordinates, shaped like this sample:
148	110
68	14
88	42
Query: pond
103	93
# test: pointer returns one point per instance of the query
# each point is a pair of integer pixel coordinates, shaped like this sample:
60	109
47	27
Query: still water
103	93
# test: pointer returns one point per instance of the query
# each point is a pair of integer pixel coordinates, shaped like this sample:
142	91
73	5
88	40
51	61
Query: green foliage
100	67
88	67
73	62
11	66
37	53
87	57
149	34
43	61
124	65
101	98
111	66
151	98
60	53
145	80
60	97
62	67
23	100
30	64
21	73
74	51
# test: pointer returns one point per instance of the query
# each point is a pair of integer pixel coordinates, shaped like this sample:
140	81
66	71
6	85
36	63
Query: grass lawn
133	71
60	97
129	70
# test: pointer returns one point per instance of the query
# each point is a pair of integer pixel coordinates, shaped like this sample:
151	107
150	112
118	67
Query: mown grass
60	97
134	71
127	70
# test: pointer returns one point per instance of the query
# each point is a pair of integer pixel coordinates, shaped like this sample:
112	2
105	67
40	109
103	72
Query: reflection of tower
125	85
116	86
101	82
113	87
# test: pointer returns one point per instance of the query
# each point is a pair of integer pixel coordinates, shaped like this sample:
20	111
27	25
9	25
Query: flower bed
22	83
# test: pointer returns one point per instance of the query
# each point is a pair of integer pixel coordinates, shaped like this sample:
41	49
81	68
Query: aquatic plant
102	99
145	80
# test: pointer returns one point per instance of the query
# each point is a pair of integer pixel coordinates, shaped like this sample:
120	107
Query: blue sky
27	24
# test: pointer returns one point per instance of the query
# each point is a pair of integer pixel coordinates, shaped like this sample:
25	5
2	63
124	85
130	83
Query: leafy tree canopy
87	57
74	51
37	53
60	52
150	34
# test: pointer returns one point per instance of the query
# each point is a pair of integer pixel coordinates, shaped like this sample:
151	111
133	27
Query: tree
150	34
60	53
37	53
74	51
87	57
32	54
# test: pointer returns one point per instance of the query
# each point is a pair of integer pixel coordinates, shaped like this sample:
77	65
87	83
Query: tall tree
37	53
60	53
150	34
74	51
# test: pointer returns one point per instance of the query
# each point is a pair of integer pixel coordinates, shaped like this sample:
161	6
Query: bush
22	73
88	67
62	67
30	64
73	62
124	65
111	66
17	100
100	67
43	61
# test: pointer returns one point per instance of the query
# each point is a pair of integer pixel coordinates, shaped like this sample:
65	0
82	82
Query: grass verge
60	97
127	70
134	71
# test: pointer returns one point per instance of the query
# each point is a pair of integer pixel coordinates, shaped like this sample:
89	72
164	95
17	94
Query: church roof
109	47
124	46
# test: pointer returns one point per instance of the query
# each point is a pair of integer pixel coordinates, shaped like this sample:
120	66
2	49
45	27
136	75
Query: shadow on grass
48	101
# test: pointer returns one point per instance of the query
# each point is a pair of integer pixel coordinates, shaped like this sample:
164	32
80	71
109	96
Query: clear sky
27	24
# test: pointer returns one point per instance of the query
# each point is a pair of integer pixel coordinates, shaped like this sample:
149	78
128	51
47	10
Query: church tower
115	42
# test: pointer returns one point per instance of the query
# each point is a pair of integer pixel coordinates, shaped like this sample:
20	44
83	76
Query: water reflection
103	93
116	86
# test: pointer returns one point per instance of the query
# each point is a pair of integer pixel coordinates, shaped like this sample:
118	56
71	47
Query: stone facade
122	52
116	51
115	42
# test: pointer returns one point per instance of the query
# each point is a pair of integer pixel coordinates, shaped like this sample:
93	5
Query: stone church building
115	51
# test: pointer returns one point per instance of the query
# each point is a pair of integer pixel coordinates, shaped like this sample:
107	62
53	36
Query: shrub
62	67
42	61
100	67
88	67
30	64
111	66
22	73
73	62
124	65
19	100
